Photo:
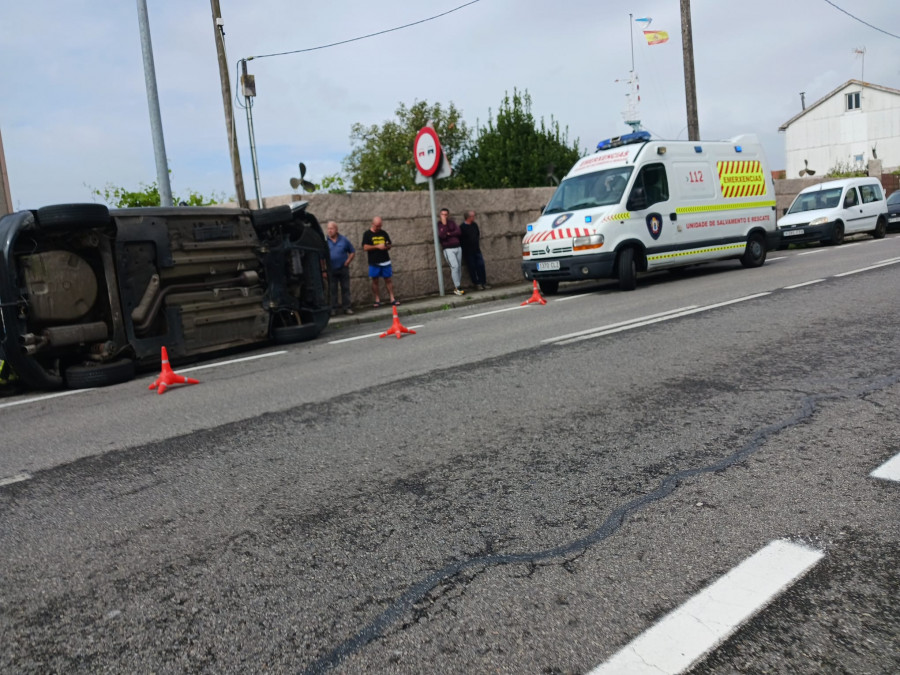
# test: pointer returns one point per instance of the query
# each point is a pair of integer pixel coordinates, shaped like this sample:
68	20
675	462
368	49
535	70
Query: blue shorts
383	271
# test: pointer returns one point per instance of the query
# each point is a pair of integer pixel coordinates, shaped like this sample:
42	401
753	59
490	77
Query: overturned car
88	295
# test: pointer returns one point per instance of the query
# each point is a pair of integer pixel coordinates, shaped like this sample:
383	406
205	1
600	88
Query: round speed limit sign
427	150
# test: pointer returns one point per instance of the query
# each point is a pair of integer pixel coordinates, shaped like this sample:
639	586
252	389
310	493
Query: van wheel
71	217
99	374
880	228
837	234
627	270
549	287
755	253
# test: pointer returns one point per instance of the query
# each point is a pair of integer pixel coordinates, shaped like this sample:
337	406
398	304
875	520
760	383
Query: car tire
837	234
71	217
286	335
99	374
755	253
549	287
627	270
880	228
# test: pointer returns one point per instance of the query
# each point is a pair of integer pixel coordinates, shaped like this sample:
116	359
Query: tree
513	151
382	156
148	195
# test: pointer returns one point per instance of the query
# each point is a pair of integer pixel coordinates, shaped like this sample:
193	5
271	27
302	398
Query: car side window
850	199
870	193
650	187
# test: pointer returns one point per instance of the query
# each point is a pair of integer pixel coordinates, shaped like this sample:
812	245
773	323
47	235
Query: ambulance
640	205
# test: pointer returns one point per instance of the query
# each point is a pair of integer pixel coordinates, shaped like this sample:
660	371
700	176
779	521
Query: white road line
687	634
889	260
610	331
493	311
639	320
228	363
890	470
18	478
369	335
870	267
572	297
781	257
818	250
37	399
805	283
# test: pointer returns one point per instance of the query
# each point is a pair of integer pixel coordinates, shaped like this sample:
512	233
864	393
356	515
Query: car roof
841	182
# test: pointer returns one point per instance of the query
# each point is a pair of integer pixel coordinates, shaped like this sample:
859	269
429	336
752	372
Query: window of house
853	101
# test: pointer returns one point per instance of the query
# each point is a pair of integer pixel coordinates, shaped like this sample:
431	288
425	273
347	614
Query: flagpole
631	33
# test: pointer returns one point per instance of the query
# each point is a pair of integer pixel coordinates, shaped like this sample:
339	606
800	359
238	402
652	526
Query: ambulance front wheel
549	287
755	253
627	270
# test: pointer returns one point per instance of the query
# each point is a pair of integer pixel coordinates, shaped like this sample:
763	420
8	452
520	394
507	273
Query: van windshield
820	199
600	188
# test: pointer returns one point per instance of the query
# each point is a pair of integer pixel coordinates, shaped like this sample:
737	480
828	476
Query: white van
828	211
638	205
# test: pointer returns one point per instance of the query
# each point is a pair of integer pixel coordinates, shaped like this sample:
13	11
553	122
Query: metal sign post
431	163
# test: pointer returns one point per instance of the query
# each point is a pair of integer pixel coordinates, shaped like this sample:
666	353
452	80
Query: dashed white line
493	311
45	397
870	267
805	283
781	257
228	363
17	478
572	297
818	250
686	635
890	470
368	335
639	320
600	332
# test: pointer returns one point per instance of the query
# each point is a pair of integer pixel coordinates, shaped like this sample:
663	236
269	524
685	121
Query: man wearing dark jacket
471	250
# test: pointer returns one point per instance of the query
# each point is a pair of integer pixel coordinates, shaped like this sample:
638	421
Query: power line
880	30
363	37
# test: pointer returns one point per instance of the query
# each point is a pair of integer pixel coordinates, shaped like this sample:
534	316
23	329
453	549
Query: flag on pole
656	37
646	21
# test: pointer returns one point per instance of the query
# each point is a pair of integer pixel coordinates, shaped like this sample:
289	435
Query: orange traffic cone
535	296
167	378
397	328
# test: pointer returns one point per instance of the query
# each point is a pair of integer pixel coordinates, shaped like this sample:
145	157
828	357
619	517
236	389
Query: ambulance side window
650	187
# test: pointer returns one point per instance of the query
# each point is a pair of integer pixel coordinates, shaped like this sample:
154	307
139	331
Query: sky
74	114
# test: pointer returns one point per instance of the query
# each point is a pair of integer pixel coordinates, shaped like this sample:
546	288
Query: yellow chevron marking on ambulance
722	207
617	216
681	254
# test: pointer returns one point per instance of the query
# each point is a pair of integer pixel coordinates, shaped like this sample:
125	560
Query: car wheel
837	234
627	270
99	374
71	217
755	253
880	228
549	287
285	335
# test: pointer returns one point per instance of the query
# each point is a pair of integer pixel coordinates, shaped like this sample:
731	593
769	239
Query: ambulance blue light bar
626	139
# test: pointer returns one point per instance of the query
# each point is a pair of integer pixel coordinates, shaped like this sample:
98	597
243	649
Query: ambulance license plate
548	265
791	233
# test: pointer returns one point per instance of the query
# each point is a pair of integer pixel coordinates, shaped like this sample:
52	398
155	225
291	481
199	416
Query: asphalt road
512	489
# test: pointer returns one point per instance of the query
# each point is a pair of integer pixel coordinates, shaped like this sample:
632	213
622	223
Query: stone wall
501	216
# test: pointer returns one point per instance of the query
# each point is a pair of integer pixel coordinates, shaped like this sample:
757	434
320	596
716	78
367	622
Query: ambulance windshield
819	199
600	188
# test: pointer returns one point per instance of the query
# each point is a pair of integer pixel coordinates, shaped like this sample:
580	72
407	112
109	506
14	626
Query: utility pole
5	197
690	83
219	28
159	145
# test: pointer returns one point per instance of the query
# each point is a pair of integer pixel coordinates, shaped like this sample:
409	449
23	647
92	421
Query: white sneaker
459	291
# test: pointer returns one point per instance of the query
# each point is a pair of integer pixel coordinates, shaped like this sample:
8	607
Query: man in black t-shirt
377	245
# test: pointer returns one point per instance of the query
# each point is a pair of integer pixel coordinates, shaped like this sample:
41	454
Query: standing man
377	245
342	253
471	249
449	234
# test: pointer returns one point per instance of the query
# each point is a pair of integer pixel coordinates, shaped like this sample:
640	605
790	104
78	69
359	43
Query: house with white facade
846	128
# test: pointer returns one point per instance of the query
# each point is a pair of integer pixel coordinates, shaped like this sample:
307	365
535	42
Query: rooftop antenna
633	97
803	100
861	52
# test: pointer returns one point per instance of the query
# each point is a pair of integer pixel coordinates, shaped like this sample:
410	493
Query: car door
873	204
853	217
